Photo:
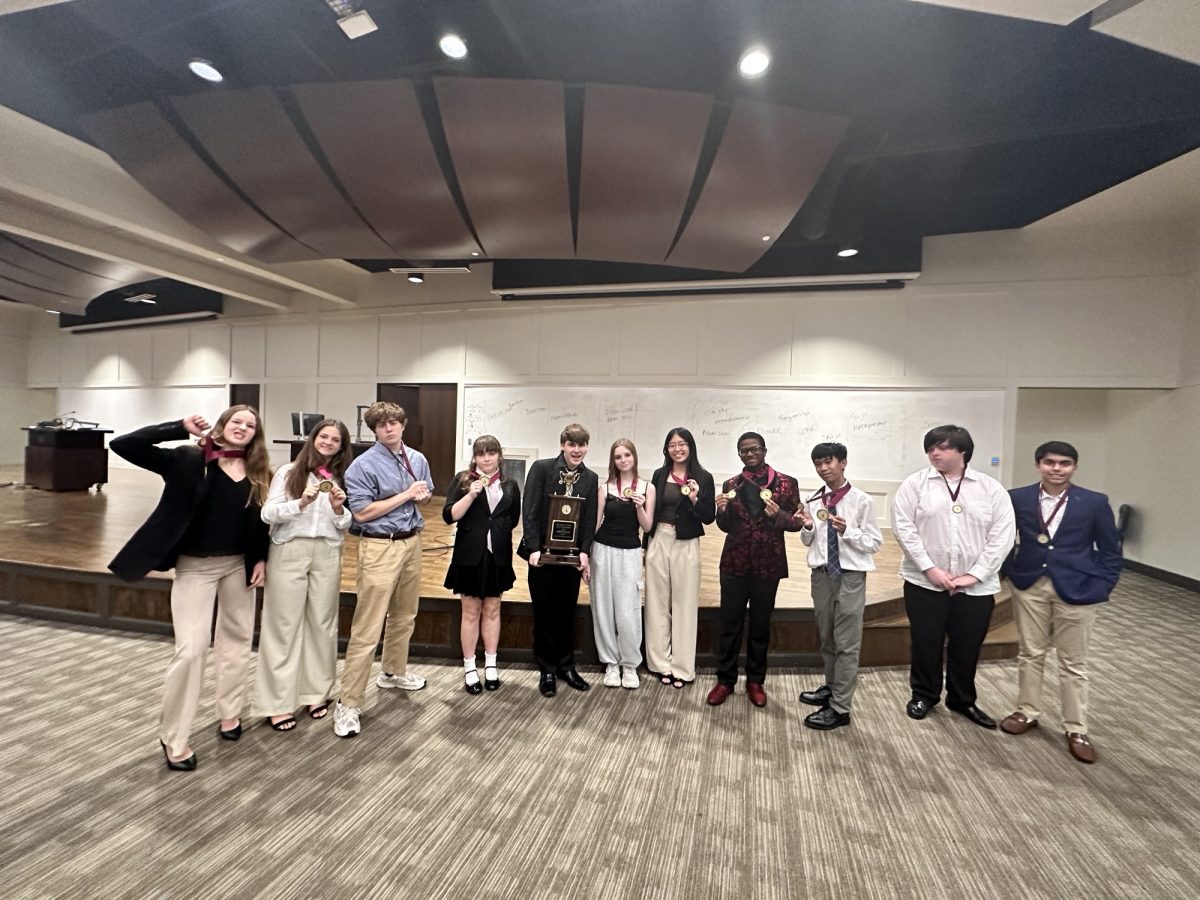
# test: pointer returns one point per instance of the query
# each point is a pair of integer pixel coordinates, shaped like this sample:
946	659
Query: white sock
489	660
469	674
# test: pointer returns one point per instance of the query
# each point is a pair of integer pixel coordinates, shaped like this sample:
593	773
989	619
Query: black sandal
320	711
666	678
283	724
677	683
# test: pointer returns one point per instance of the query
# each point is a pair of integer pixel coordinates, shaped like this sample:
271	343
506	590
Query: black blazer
690	518
470	540
540	483
154	546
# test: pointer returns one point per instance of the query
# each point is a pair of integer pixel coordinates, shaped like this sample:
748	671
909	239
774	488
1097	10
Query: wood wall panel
147	146
768	161
638	162
508	142
374	136
252	138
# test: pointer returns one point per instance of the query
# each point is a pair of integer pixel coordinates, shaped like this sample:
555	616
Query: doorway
432	411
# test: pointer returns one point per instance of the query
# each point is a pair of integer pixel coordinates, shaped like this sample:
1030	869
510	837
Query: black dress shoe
826	719
917	708
820	697
975	714
574	679
548	685
472	687
491	684
231	734
179	765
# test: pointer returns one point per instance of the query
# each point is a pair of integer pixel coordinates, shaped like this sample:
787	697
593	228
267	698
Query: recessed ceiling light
474	252
754	62
357	24
54	312
453	46
848	252
766	237
416	277
202	68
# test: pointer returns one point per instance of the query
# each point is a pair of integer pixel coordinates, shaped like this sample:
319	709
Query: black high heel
178	765
233	733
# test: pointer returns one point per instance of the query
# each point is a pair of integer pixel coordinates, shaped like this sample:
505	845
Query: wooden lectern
66	459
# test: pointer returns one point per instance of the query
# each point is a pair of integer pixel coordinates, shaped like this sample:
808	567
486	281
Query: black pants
554	591
738	592
961	623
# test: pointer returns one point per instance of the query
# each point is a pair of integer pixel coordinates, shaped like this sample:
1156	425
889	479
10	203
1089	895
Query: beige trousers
297	639
389	581
838	606
199	583
1045	621
672	603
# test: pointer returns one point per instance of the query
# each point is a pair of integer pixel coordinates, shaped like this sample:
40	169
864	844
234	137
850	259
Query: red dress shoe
718	694
1081	748
755	692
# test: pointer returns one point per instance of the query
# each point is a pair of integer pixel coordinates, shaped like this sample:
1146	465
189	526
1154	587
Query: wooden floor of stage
81	531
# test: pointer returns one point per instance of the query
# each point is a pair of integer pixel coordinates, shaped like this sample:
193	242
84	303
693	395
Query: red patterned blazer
754	543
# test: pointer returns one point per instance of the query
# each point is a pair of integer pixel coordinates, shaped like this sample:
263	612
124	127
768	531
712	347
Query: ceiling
590	142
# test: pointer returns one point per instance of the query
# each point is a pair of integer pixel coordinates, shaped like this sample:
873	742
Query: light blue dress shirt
378	474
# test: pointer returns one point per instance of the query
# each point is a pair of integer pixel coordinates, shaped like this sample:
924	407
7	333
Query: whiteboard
882	429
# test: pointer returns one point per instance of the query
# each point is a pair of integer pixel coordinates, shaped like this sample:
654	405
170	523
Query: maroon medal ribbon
956	491
213	451
404	459
1046	523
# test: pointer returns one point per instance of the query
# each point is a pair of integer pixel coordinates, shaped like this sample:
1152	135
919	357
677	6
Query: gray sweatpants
617	604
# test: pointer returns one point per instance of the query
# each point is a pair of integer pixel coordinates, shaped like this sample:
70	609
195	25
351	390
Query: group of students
223	523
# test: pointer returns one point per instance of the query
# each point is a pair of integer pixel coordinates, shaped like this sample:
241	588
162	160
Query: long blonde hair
257	461
613	474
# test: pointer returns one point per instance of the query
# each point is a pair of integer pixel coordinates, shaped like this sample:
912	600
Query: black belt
398	536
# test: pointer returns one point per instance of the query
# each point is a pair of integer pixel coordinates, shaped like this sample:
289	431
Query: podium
66	459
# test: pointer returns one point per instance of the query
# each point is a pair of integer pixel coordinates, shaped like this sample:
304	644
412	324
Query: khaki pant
389	581
297	641
672	603
199	583
1045	621
838	608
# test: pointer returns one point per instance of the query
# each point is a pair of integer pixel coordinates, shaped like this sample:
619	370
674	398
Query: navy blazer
1084	558
470	538
154	546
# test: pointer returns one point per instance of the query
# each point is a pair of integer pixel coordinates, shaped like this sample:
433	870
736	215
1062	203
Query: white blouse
288	520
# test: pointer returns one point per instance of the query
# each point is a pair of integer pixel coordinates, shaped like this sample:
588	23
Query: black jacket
470	540
690	518
540	483
153	547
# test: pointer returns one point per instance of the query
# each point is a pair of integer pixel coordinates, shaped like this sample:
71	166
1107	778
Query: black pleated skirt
487	579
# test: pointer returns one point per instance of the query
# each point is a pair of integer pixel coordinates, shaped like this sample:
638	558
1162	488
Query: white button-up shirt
973	542
1048	502
288	520
857	545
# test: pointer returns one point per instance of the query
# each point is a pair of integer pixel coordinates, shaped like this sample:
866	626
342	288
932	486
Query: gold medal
765	493
822	514
730	494
483	483
686	490
956	508
565	509
628	492
1043	538
325	486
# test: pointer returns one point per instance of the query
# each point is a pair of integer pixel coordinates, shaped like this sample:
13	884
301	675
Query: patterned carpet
609	794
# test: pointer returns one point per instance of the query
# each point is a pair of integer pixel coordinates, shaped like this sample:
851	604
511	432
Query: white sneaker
612	675
629	677
405	680
346	720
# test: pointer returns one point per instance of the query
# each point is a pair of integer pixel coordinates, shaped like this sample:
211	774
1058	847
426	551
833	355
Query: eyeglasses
749	451
676	446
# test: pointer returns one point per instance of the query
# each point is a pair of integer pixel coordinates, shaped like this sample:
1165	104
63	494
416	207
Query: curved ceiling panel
638	162
508	142
255	142
768	161
147	146
374	136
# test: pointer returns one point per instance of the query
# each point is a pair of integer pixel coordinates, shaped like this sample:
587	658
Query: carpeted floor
609	794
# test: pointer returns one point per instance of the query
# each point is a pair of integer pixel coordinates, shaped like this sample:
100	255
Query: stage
55	546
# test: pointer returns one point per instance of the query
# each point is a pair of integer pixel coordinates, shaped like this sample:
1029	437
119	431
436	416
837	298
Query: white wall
19	405
1077	416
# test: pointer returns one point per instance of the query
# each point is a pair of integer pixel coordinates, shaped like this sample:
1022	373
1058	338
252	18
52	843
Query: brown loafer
718	694
1081	748
756	693
1017	723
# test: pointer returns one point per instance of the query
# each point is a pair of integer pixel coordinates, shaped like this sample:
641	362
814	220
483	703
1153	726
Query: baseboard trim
1191	584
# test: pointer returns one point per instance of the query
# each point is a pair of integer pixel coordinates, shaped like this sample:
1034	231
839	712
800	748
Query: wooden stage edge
56	547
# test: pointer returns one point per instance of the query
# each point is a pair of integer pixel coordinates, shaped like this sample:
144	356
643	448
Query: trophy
562	524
